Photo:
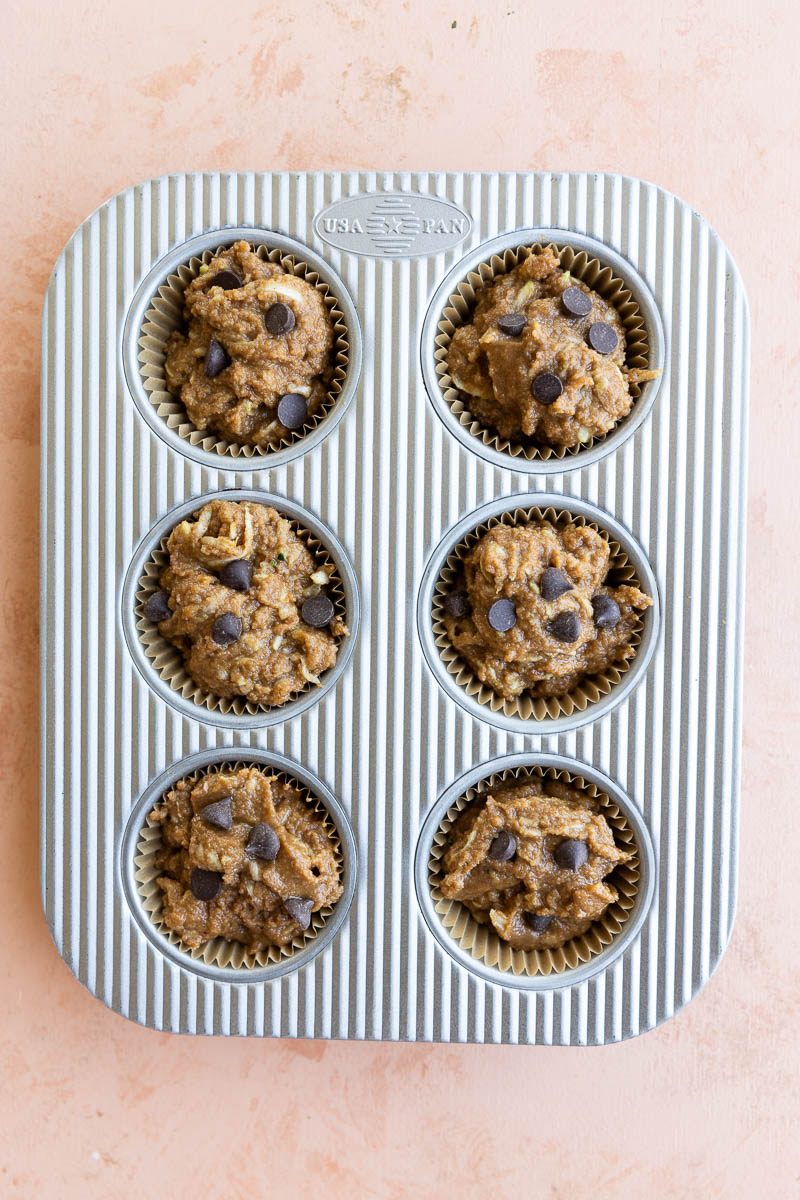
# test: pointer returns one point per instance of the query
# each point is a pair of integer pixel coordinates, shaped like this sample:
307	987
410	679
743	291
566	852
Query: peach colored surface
698	96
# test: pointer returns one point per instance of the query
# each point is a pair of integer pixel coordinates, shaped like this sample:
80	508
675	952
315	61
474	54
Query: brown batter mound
238	585
530	860
535	614
244	857
527	364
235	386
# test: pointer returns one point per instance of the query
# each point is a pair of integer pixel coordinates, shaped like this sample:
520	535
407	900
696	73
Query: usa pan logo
393	225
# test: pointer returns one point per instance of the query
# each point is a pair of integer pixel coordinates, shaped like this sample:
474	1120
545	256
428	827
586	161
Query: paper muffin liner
219	952
458	309
167	660
592	687
480	941
165	314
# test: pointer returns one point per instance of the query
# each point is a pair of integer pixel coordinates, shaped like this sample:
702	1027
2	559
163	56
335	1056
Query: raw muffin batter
530	860
245	602
254	363
244	857
533	613
543	357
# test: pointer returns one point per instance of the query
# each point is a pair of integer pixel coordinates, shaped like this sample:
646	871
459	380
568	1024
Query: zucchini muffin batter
255	361
543	358
534	614
530	860
245	602
244	857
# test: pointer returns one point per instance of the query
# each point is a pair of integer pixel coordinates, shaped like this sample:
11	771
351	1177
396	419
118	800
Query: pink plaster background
698	95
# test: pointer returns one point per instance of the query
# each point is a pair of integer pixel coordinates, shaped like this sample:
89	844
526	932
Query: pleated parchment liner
481	941
167	659
458	310
219	952
592	687
165	315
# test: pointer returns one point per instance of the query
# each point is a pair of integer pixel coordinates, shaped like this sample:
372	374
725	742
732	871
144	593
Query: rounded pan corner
704	222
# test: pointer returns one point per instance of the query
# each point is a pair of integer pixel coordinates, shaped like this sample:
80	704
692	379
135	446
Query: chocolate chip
606	611
457	604
546	388
226	280
219	813
602	338
511	324
565	626
237	575
217	359
205	885
299	910
503	847
279	318
576	301
553	584
292	410
537	922
227	629
263	843
156	608
502	615
317	611
571	854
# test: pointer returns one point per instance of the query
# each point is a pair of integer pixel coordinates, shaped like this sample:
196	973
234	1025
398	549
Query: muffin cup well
594	264
477	946
596	694
157	311
161	663
219	951
220	958
167	658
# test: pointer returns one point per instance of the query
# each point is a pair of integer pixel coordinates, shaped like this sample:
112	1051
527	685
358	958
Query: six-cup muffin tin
394	479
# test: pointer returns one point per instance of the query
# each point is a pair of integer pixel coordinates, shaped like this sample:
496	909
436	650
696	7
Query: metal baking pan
392	478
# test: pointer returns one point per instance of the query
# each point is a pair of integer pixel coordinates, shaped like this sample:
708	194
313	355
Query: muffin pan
388	482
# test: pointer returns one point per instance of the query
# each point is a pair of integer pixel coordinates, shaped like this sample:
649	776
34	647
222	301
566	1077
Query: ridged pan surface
390	480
